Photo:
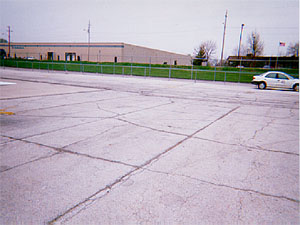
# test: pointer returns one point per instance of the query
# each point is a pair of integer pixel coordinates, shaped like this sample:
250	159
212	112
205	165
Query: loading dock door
70	56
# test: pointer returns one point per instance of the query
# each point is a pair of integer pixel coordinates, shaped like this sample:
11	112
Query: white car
275	79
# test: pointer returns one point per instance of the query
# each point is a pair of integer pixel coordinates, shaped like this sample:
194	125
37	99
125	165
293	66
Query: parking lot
107	149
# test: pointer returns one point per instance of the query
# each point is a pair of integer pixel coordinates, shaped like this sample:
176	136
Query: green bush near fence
228	74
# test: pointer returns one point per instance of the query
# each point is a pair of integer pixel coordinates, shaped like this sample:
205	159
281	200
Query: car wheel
262	85
296	87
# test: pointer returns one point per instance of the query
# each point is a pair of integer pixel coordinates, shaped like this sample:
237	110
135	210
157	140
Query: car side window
271	75
281	76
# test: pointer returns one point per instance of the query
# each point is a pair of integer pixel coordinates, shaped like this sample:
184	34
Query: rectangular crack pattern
131	105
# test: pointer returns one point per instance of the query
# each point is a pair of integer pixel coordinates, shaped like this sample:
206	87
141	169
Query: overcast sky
172	25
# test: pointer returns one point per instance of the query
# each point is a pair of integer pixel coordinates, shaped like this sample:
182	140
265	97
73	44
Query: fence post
215	73
145	72
131	67
192	69
150	67
225	77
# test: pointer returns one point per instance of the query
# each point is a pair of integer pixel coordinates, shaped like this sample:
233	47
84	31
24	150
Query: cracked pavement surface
103	149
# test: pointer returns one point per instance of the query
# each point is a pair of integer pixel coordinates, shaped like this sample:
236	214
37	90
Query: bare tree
3	40
256	45
204	52
243	50
293	49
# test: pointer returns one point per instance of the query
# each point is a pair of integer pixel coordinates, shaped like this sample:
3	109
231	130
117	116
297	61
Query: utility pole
223	38
240	44
89	39
9	30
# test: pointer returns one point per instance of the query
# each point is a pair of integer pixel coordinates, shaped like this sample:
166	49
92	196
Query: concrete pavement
104	149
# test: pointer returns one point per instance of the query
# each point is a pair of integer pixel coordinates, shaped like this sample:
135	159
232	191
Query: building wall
154	56
98	52
79	51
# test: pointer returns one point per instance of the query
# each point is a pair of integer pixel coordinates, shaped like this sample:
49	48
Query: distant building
264	61
94	52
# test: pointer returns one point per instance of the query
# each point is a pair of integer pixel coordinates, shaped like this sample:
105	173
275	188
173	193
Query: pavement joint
31	161
90	137
148	162
142	179
228	186
151	128
59	129
258	148
72	104
63	150
56	83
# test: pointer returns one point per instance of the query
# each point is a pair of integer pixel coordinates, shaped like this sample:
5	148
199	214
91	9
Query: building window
78	58
116	59
58	58
175	63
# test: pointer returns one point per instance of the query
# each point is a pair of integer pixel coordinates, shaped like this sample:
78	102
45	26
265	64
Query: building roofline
81	44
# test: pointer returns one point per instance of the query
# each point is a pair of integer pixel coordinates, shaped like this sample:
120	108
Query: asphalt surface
102	149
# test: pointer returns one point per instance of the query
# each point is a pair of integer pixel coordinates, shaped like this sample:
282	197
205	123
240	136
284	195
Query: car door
271	80
283	81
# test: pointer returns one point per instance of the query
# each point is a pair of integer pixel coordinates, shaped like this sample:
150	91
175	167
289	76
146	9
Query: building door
70	56
50	56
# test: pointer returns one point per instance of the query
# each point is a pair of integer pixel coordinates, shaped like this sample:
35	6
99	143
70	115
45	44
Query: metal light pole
89	38
9	31
242	27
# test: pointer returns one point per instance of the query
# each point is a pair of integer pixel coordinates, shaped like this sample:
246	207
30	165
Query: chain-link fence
225	74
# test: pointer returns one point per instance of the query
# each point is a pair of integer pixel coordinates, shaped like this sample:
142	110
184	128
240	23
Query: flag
282	44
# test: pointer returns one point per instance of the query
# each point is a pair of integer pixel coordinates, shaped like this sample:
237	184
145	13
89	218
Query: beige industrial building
95	52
